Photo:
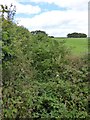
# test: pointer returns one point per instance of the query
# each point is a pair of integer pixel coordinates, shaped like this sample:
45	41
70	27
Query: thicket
41	79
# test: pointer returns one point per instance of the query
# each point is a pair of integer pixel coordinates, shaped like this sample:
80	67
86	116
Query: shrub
40	77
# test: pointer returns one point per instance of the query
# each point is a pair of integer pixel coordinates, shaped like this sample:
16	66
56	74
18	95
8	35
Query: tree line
76	35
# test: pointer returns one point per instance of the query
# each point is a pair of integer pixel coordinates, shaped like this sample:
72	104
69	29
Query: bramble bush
41	79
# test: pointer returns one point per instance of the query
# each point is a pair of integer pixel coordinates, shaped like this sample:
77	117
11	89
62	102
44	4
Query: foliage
9	10
51	36
38	32
40	77
76	35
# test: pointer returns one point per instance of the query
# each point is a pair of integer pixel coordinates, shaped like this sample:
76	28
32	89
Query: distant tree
51	36
84	35
39	35
38	32
76	35
69	35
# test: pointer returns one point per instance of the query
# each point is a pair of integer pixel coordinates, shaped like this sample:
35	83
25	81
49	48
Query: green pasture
78	46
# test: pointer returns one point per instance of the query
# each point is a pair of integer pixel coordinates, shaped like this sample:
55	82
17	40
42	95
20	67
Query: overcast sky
55	17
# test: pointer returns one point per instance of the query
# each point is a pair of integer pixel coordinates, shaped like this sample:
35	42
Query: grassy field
79	46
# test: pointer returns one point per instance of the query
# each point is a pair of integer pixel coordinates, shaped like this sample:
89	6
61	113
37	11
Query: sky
55	17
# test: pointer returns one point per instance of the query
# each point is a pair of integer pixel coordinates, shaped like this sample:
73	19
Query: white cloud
20	8
27	9
58	23
70	4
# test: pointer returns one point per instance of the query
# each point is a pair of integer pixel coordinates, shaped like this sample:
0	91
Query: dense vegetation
76	35
41	78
